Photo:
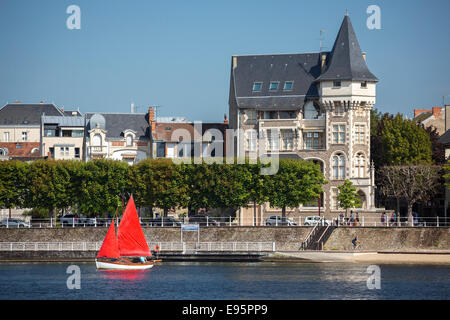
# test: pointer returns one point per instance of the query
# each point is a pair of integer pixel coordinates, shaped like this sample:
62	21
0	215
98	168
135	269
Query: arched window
360	165
338	166
97	140
129	140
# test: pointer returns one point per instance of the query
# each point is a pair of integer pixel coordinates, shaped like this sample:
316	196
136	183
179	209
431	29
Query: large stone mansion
311	106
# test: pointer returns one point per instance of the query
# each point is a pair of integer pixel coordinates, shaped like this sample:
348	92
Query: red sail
130	235
110	248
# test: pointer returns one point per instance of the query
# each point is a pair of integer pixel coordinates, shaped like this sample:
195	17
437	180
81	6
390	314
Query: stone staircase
317	238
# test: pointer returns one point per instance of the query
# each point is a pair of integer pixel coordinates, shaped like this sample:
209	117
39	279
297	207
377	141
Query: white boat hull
122	266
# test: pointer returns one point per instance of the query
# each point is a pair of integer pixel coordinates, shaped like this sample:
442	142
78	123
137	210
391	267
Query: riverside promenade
379	245
438	257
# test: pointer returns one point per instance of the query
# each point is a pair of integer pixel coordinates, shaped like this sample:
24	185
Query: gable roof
346	61
26	114
117	123
301	68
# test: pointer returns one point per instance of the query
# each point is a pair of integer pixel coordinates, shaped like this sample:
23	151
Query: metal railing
164	246
356	221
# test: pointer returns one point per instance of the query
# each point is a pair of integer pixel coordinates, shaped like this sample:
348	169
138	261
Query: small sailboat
129	249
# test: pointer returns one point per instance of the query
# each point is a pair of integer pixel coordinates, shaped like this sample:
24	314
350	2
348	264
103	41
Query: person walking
415	218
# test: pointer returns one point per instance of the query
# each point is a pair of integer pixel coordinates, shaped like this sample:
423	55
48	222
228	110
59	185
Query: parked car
203	220
84	221
14	223
313	220
167	222
279	221
70	219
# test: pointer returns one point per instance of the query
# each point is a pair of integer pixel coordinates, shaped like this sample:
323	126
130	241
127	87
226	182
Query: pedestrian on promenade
352	219
393	218
415	218
383	217
357	219
341	219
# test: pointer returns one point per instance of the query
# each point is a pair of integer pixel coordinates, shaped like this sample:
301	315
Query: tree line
408	159
98	187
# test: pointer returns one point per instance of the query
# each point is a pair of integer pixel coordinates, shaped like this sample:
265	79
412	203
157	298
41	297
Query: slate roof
71	113
302	69
64	121
445	138
117	123
26	114
346	61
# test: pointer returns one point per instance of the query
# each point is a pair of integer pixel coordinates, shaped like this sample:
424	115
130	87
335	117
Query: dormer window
273	85
257	86
129	140
364	84
336	84
288	85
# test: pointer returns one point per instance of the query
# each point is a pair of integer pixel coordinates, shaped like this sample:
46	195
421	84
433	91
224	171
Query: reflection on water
124	274
187	280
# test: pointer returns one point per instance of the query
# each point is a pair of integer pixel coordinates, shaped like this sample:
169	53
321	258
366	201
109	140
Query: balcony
313	123
277	123
97	150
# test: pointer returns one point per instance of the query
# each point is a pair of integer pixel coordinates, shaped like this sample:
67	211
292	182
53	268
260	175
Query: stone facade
312	106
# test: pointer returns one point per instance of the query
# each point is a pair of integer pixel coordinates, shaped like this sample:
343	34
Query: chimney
41	102
151	118
225	119
132	108
323	59
436	112
234	62
364	56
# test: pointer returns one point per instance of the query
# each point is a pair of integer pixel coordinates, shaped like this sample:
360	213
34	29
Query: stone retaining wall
390	239
286	238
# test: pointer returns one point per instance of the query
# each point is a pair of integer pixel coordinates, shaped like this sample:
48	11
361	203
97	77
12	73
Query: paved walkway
416	257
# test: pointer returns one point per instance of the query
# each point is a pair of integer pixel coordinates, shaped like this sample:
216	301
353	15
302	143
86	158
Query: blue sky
177	54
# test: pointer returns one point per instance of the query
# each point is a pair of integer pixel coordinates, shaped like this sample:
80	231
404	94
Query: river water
230	281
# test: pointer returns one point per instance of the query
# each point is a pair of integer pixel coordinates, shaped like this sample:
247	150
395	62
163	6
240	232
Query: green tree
165	185
446	176
101	184
347	196
296	182
13	186
404	142
49	184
